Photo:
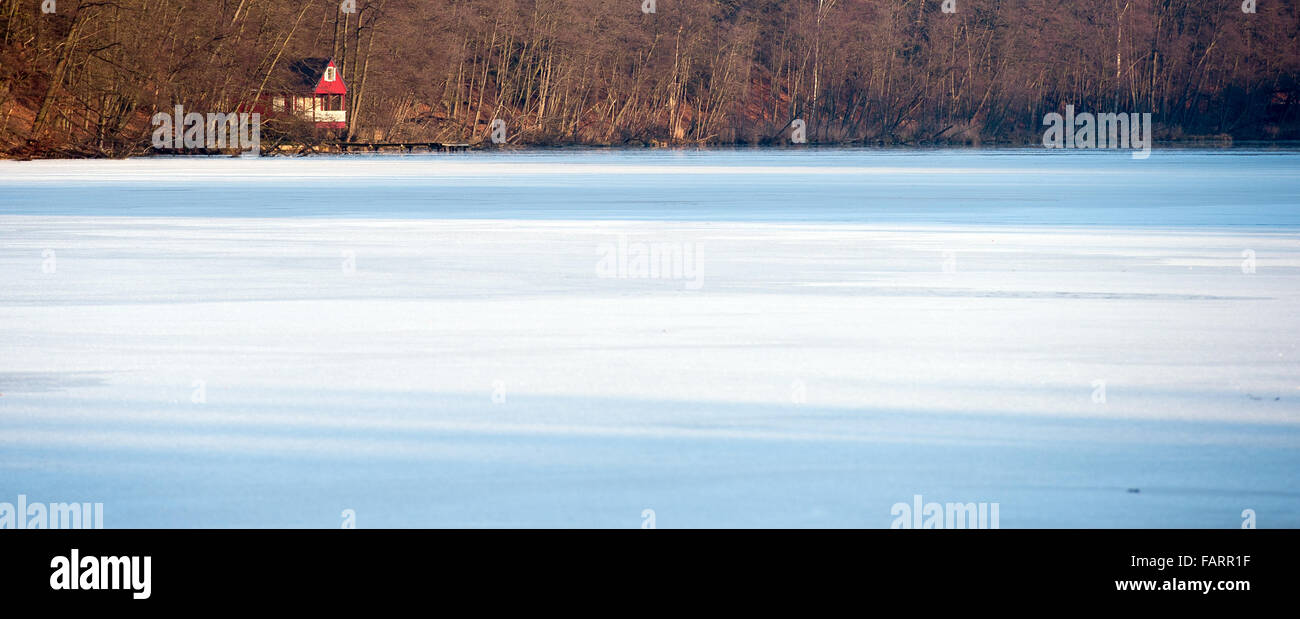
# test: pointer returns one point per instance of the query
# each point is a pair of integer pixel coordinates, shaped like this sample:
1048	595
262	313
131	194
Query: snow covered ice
430	341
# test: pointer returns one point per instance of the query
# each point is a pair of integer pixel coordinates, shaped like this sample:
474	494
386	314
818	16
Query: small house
311	89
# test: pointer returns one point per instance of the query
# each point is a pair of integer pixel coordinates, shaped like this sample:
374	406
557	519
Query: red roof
308	76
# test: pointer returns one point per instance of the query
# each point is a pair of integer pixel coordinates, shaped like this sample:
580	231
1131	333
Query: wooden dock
409	147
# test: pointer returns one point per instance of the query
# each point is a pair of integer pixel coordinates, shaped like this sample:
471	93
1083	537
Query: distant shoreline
1209	144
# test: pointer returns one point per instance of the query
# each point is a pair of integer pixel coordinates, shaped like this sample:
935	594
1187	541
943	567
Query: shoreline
1209	143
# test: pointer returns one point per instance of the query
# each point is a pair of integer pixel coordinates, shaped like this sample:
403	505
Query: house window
330	74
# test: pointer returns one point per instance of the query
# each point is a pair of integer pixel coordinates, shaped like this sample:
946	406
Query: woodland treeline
84	80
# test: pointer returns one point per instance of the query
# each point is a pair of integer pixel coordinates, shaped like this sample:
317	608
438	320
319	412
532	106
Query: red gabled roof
308	76
336	87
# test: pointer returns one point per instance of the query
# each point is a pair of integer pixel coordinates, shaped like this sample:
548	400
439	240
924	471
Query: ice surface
1031	187
428	340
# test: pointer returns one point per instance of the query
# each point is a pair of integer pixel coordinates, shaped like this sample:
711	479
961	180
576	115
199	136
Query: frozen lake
1085	339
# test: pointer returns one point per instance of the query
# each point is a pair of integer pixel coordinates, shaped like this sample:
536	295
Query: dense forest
84	79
